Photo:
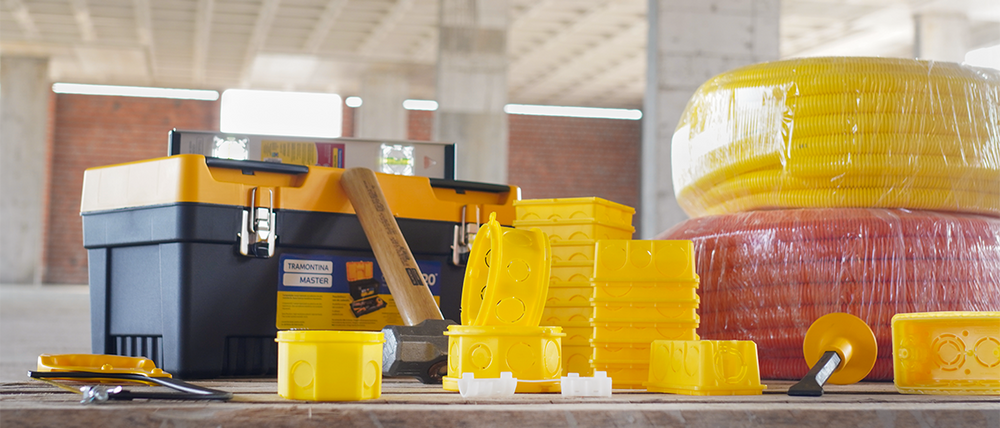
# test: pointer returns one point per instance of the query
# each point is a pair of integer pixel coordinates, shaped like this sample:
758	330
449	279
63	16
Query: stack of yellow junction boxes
643	291
573	226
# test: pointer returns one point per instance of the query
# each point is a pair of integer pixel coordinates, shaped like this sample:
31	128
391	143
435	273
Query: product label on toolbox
302	153
340	293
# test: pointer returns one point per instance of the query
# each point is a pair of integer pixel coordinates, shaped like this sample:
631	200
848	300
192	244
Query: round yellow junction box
507	277
530	353
329	365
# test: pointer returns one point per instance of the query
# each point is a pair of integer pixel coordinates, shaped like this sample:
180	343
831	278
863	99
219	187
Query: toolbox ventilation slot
150	347
250	356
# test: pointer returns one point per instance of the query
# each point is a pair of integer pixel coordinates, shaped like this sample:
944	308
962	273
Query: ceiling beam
322	29
600	53
533	9
202	37
868	34
395	14
144	30
23	18
613	81
81	13
265	17
984	34
540	52
426	47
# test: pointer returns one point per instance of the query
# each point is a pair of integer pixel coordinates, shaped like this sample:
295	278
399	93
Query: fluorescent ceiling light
428	105
134	91
300	114
591	112
353	102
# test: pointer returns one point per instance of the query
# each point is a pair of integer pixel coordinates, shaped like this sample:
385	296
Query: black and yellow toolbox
196	262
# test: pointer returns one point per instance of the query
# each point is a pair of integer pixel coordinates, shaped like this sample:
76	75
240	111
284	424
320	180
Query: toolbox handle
287	168
251	165
462	186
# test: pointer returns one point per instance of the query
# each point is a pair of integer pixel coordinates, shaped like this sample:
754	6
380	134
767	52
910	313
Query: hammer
420	348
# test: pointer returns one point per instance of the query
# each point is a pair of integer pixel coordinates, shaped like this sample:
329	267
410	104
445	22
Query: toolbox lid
191	179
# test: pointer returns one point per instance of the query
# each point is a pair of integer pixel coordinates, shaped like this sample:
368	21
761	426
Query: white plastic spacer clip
503	386
575	386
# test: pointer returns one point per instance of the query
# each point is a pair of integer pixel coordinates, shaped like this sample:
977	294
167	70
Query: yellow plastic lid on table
99	363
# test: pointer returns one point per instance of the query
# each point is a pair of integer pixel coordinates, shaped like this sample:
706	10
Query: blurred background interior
391	69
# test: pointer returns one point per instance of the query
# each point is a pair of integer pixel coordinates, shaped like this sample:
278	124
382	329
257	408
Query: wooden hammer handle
406	282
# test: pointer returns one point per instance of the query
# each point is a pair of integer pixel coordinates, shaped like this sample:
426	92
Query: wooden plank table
409	403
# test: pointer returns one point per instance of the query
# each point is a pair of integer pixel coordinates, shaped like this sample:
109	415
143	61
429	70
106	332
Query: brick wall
565	157
347	128
550	157
100	130
420	124
562	157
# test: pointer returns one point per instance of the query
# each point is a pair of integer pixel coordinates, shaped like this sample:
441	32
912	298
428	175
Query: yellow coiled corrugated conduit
841	132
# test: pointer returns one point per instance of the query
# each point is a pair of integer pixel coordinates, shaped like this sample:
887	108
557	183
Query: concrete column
24	98
472	87
941	36
689	42
382	116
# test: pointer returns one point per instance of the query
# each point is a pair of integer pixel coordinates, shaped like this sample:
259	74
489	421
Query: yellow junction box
625	374
954	353
644	332
572	271
577	230
319	365
567	316
704	367
644	260
577	336
608	352
645	291
592	208
529	353
567	251
669	311
576	359
575	294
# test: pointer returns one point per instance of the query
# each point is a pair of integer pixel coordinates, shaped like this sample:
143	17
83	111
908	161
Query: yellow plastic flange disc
507	276
850	337
478	275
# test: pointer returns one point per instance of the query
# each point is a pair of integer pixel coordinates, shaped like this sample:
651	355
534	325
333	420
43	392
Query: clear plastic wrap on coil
767	275
841	132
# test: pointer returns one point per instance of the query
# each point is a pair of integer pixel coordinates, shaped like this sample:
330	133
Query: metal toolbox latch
461	243
258	227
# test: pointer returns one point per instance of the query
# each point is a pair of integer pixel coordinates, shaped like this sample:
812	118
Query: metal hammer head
419	351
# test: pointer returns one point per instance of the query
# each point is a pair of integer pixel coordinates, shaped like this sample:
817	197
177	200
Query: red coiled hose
767	275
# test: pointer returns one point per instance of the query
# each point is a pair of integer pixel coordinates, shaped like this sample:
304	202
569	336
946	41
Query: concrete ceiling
561	52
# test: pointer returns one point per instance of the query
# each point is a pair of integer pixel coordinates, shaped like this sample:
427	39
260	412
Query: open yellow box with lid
954	353
704	367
